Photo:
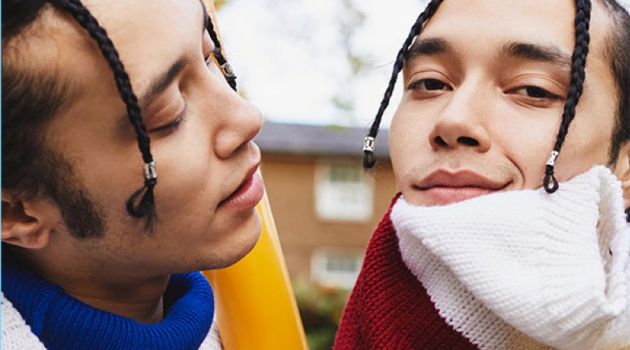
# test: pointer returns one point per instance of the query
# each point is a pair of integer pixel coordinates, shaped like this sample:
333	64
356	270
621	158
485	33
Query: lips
248	194
444	187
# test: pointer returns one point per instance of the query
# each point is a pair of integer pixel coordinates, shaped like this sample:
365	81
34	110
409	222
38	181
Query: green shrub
320	309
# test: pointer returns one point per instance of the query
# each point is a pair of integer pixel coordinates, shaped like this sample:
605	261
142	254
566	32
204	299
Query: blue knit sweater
63	322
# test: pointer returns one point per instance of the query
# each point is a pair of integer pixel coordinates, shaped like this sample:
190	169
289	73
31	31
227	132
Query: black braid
145	206
369	158
228	73
578	65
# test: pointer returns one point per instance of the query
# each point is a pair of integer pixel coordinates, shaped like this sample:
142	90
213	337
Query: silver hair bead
369	144
552	158
227	70
150	172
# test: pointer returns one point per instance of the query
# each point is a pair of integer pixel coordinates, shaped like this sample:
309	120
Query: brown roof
317	140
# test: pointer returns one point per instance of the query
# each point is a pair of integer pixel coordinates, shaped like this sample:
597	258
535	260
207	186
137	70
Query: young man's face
485	87
200	161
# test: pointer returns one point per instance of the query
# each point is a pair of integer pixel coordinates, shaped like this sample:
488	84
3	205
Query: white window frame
323	275
329	196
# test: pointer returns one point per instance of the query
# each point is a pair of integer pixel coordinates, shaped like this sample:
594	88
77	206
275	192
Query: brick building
324	204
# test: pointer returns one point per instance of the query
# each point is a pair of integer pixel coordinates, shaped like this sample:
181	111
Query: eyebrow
536	52
428	47
163	81
523	50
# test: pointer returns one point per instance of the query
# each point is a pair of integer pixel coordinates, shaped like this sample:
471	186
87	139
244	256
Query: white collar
527	268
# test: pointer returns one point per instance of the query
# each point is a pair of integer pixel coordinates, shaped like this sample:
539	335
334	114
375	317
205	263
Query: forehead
150	35
532	19
491	23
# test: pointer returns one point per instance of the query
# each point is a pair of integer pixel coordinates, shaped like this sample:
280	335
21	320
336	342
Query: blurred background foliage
320	308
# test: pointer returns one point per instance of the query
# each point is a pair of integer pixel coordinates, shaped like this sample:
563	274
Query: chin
416	199
236	246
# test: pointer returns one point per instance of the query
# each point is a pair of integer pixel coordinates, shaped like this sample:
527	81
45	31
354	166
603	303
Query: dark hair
619	56
31	98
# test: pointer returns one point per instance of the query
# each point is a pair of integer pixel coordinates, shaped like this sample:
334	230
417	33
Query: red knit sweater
389	308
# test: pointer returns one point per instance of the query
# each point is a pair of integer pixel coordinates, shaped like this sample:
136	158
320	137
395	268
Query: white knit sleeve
16	334
213	339
555	267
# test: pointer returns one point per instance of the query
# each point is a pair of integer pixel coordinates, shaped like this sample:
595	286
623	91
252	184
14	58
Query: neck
135	297
141	301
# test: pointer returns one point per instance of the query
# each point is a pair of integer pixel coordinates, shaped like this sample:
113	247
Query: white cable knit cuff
555	267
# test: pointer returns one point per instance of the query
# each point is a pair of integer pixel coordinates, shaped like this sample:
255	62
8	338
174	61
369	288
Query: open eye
535	92
429	85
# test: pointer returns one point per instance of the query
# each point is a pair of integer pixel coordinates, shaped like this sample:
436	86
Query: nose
241	122
461	122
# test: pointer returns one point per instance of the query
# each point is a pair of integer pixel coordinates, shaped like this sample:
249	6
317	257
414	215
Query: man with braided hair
508	148
97	253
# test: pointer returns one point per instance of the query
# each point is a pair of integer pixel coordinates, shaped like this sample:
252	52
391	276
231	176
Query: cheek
408	138
109	175
526	144
189	175
521	139
590	135
587	144
188	185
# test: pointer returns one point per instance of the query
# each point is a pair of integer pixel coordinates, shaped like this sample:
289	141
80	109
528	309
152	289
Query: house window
336	268
343	192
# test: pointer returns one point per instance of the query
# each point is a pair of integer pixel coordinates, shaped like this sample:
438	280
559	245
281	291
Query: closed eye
174	124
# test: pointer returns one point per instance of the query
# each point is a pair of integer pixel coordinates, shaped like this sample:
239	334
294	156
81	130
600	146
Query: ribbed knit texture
63	322
389	308
508	268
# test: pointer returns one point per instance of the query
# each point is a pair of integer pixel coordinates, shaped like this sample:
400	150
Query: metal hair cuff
368	144
552	158
227	70
150	173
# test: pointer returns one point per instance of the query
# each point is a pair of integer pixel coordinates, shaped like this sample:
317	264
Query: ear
622	164
622	170
27	223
